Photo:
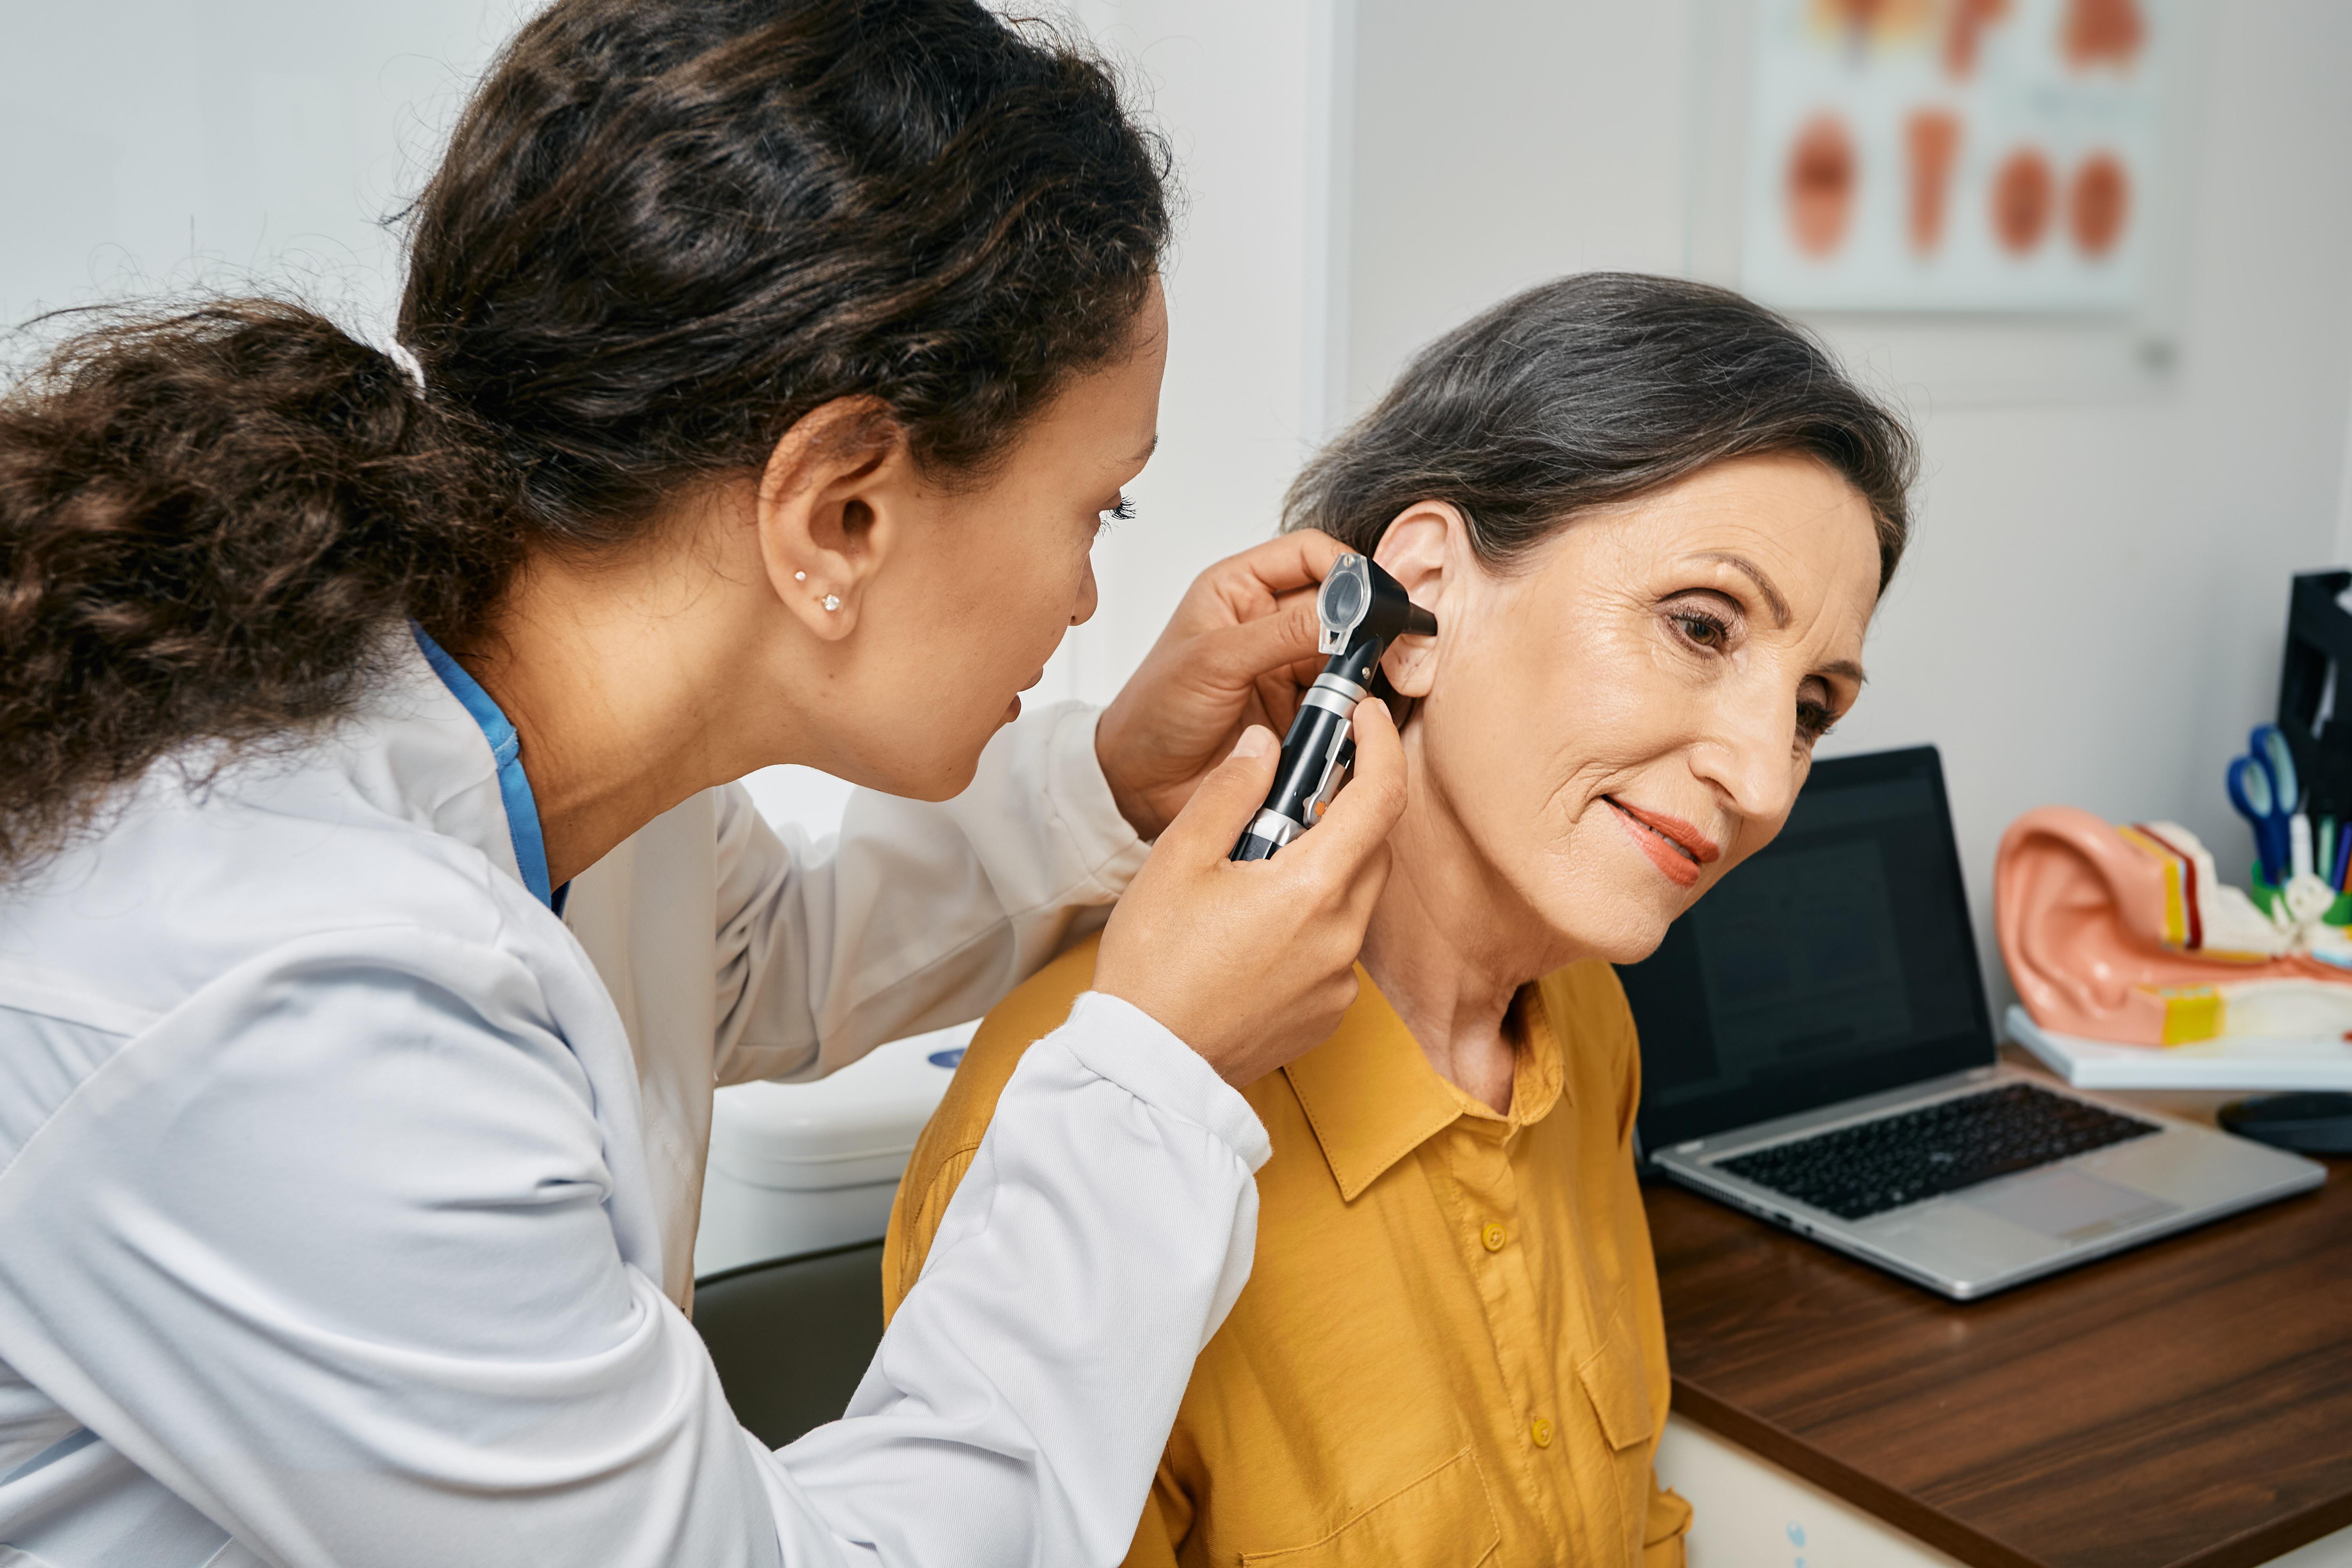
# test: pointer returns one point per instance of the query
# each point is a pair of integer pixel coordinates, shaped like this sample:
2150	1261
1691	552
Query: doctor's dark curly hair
664	231
1600	387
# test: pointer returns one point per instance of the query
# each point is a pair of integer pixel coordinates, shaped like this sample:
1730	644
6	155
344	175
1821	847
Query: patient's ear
1421	546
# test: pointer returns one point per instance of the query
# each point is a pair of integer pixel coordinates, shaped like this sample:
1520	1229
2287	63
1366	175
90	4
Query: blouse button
1541	1433
1493	1235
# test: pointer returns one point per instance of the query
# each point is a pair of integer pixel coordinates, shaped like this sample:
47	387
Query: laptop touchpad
2069	1205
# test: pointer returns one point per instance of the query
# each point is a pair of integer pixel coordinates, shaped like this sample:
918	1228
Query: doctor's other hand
1236	652
1251	963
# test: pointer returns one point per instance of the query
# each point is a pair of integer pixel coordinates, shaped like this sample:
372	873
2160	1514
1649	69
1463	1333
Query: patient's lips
1674	845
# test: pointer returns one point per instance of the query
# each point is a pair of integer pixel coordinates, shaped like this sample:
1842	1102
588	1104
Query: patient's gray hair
1595	388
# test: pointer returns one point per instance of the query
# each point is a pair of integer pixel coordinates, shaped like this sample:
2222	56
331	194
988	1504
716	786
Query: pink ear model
2124	933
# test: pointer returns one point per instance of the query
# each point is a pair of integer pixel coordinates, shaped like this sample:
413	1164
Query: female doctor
377	914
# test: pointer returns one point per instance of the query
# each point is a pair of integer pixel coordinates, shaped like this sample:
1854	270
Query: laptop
1816	1049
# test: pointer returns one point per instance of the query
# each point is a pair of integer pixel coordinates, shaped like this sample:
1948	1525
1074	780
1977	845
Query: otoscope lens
1343	597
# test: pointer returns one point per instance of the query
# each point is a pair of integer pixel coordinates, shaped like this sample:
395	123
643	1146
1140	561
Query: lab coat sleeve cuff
1121	1043
1107	842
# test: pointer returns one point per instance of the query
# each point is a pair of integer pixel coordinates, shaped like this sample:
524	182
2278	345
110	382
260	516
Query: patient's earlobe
1412	665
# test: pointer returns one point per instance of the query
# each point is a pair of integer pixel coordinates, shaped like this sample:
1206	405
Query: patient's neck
1451	943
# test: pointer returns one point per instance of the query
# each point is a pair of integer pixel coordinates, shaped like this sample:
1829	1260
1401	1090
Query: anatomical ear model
2124	933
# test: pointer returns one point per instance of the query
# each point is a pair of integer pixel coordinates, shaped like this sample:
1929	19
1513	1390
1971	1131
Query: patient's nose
1749	754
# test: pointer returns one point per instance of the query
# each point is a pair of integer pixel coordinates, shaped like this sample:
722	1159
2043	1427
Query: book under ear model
2251	1062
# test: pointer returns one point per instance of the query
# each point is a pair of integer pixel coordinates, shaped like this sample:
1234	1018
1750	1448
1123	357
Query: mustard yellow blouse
1450	1349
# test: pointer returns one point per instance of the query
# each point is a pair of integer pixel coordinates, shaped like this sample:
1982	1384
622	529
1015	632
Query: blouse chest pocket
1615	1382
1442	1519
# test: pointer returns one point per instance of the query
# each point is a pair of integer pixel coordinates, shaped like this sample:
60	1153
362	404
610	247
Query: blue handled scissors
2264	789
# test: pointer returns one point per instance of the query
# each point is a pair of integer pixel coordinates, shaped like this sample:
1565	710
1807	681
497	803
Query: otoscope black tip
1418	623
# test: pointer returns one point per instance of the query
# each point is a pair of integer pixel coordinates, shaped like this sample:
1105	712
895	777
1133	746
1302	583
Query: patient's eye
1123	512
1815	717
1701	624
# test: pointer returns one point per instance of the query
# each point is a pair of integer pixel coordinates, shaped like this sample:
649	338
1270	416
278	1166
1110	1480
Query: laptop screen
1837	961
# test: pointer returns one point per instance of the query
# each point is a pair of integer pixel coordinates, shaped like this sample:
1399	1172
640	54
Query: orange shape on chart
2021	199
1932	136
1858	15
1821	179
2096	31
2099	204
1969	19
1867	22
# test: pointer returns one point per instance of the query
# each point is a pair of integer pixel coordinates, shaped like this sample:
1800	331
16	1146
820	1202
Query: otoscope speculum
1362	610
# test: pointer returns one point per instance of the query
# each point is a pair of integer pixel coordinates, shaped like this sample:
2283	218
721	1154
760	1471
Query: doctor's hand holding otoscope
1210	855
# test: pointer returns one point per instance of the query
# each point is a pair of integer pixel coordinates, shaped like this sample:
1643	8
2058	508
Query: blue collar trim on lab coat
514	785
72	1444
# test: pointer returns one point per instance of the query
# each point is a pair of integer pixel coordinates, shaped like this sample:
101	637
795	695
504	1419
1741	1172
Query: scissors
2264	789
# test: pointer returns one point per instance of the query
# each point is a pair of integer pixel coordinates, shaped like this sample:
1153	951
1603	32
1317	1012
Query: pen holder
2266	898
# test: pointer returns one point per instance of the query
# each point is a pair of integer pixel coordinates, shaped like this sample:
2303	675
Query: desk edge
1896	1508
2276	1539
1946	1534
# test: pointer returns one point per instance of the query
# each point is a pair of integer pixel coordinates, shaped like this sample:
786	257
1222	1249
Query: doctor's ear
1418	550
834	502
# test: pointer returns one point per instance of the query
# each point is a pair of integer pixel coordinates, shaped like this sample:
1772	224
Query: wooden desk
2185	1406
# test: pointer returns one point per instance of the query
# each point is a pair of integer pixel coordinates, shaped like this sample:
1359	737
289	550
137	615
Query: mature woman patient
1653	520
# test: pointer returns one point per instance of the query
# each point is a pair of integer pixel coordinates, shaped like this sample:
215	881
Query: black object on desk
2315	706
2308	1122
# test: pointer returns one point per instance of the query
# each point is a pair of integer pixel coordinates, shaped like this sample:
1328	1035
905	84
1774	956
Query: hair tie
401	354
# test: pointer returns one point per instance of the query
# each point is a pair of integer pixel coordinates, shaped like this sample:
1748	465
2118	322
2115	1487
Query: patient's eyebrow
1755	574
1848	668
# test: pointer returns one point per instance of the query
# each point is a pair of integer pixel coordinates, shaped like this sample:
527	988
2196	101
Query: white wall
154	143
2093	608
2343	504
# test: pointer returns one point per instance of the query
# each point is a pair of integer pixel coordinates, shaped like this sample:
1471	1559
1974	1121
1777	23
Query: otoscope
1362	609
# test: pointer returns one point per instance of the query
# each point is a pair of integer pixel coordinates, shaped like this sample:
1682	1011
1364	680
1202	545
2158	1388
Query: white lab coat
347	1198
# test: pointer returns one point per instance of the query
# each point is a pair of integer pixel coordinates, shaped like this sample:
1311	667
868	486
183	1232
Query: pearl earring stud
800	576
833	601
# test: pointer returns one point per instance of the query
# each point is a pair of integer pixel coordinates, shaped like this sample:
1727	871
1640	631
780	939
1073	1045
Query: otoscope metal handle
1314	755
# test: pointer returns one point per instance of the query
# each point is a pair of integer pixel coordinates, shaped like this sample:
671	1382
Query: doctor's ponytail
205	520
664	231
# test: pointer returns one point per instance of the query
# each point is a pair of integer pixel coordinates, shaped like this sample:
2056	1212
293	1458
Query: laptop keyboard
1871	1167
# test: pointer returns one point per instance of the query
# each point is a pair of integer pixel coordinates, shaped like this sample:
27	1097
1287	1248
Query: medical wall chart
1962	155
